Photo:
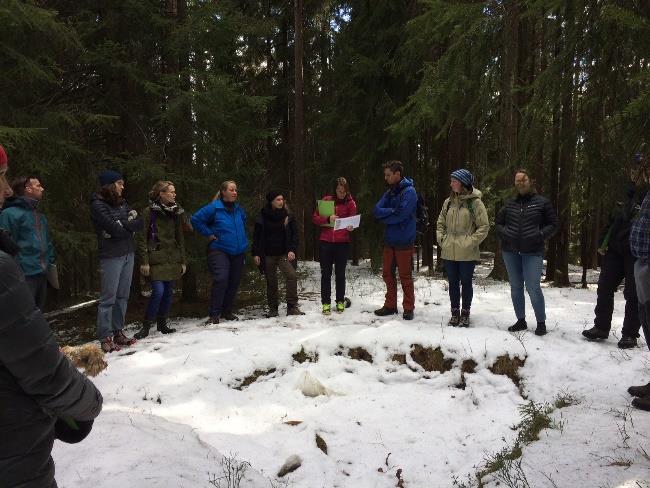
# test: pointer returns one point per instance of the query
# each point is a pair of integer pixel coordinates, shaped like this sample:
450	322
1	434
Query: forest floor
403	404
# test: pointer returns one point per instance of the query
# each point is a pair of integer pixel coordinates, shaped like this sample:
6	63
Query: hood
470	196
21	202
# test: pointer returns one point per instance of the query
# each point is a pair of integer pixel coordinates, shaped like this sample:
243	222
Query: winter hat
272	195
108	177
464	176
3	160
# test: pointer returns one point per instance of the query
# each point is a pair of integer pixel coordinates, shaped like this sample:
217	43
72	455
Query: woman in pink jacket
335	246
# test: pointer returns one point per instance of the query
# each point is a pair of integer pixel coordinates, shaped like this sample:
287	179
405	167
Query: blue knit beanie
464	176
108	177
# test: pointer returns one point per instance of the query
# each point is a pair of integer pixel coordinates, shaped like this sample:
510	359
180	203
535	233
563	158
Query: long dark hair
109	194
341	181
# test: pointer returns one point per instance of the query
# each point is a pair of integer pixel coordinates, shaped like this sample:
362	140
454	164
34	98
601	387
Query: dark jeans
642	276
226	272
38	286
613	269
271	265
161	299
460	273
333	255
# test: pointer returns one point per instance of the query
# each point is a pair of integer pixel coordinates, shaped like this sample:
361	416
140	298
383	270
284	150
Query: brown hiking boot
294	310
121	339
109	346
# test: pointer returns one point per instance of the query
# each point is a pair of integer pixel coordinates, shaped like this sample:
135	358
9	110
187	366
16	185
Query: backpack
470	208
421	213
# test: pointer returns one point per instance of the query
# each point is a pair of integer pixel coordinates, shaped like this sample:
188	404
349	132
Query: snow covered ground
172	407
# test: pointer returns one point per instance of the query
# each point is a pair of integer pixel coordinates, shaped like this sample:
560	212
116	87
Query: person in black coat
42	395
523	225
618	264
275	244
115	225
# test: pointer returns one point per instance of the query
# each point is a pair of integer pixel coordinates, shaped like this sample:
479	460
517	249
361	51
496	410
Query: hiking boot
627	342
520	324
327	309
541	329
273	312
162	326
229	316
642	403
464	318
144	330
639	391
122	339
595	334
294	310
340	307
348	302
383	311
212	320
407	315
455	318
109	346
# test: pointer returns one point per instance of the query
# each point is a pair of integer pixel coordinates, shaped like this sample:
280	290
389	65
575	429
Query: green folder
326	209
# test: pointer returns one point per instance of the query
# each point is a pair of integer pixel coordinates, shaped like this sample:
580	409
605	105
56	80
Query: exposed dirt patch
360	354
250	379
507	366
468	366
398	358
431	359
302	356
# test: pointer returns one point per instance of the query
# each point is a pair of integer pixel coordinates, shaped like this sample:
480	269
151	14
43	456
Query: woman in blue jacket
223	222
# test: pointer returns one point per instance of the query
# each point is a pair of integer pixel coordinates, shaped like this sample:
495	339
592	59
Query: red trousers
400	258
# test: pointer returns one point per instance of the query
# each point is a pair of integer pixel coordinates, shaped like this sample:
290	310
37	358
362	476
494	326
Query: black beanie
272	195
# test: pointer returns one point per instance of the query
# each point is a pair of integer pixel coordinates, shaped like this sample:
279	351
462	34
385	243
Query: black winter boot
162	326
464	318
595	334
541	329
383	311
639	391
144	330
455	318
519	325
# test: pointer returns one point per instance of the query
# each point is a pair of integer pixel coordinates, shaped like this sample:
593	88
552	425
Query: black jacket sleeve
550	222
258	239
29	352
102	217
292	235
500	222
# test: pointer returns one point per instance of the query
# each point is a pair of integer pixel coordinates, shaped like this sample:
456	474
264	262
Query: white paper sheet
345	222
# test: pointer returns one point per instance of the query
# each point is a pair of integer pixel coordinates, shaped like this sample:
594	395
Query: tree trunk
299	126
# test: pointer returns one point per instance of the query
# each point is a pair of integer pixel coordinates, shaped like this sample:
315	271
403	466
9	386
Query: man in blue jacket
28	228
397	208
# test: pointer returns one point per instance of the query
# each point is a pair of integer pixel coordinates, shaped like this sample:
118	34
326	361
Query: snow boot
109	346
541	329
229	316
348	302
340	307
294	310
639	391
407	315
121	339
327	309
595	334
144	330
161	325
212	320
642	403
455	318
464	318
383	311
627	342
519	325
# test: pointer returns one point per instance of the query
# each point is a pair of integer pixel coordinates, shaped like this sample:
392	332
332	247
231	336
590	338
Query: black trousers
614	268
38	286
333	254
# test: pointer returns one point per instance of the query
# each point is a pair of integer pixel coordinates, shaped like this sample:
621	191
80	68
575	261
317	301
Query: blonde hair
158	187
223	188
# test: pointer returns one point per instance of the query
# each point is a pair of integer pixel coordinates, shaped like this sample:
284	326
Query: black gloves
72	431
7	244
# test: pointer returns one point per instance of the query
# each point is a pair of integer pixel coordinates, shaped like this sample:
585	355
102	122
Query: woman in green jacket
162	252
462	225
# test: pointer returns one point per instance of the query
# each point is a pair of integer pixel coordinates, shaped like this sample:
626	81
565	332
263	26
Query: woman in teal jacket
223	222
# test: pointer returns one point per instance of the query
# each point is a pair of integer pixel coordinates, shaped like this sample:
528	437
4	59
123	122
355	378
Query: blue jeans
460	272
115	275
226	272
525	269
161	299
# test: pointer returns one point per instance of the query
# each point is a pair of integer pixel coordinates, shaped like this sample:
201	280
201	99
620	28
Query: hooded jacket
342	208
37	385
29	230
396	208
462	225
115	232
227	225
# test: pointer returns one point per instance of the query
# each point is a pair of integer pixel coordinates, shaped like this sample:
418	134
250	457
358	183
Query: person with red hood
335	245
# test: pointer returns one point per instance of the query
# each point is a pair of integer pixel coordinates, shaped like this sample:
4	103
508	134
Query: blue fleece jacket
227	225
396	208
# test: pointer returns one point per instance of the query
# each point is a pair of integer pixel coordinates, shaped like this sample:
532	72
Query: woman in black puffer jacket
116	225
523	224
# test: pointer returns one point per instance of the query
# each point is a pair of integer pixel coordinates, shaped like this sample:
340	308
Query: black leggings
333	254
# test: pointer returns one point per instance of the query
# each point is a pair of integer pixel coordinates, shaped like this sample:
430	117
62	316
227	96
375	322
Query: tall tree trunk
299	125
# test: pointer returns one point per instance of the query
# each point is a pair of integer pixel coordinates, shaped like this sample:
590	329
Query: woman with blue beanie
462	225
